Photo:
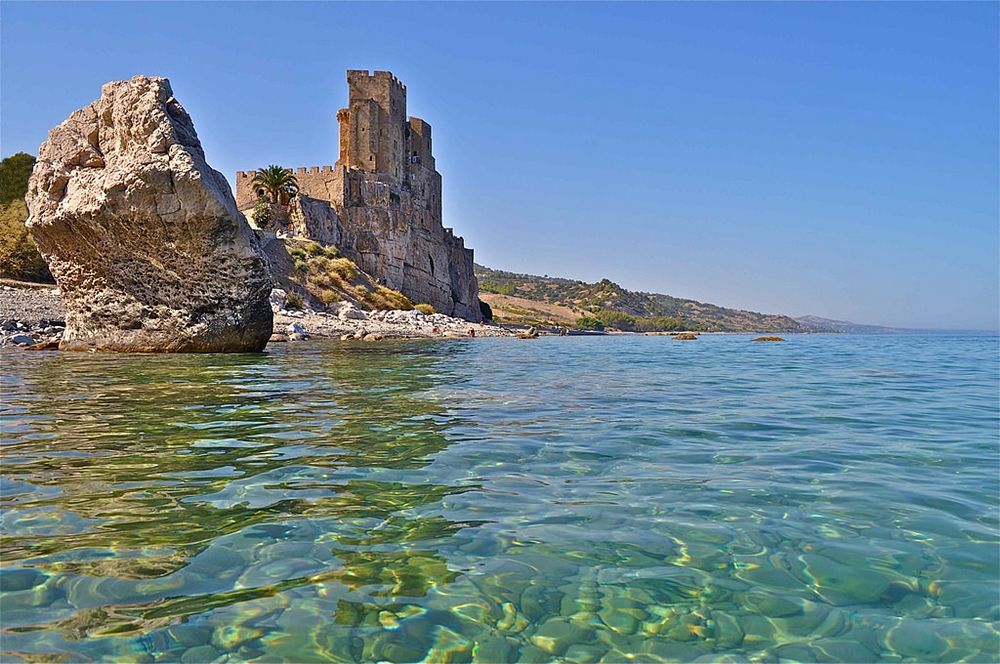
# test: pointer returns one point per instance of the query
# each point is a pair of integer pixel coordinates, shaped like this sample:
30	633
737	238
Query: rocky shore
33	314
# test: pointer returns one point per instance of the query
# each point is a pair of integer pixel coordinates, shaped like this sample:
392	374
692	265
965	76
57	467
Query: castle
380	204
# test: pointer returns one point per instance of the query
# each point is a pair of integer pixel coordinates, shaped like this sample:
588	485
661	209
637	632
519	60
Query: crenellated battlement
300	170
378	75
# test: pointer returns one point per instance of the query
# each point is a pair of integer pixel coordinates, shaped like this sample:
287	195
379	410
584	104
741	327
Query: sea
831	498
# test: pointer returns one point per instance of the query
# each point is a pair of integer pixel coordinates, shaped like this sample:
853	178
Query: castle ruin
380	204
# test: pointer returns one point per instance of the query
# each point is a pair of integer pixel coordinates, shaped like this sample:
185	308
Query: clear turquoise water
831	498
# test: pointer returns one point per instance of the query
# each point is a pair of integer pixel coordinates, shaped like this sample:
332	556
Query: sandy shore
34	313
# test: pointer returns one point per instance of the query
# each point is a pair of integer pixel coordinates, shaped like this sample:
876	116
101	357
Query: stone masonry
381	202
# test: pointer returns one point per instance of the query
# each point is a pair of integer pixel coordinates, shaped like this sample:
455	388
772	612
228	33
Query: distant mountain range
818	322
534	300
829	324
554	301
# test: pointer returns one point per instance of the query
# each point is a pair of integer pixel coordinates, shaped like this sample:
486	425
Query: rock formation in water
143	237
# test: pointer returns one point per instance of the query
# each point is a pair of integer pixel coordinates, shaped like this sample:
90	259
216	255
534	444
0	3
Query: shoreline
34	312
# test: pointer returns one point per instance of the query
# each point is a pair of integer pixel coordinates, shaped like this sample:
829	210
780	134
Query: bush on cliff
387	298
426	309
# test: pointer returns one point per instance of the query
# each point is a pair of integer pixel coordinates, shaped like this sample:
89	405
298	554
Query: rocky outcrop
142	236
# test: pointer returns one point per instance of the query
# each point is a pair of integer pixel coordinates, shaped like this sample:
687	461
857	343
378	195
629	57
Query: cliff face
381	203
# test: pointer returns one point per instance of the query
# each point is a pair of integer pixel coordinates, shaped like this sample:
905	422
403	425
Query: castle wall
386	196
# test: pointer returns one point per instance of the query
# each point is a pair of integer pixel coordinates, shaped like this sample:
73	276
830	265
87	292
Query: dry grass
425	308
330	278
387	298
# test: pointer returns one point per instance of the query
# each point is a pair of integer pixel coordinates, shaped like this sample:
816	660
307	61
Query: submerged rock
768	339
141	234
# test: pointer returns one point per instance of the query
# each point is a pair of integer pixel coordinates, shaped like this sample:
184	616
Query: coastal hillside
848	327
531	299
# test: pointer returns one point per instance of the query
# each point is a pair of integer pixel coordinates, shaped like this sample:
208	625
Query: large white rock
141	234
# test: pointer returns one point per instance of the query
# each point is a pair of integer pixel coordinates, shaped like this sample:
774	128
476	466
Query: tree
261	215
14	173
275	181
19	259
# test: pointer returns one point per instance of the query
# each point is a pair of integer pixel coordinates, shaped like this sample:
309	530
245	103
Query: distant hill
530	299
818	322
829	324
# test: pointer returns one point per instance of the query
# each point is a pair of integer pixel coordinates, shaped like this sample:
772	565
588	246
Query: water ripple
832	498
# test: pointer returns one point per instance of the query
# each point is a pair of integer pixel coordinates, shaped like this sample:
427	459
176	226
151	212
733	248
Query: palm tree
275	181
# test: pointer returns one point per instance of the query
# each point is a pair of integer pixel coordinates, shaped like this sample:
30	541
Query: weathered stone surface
141	234
380	204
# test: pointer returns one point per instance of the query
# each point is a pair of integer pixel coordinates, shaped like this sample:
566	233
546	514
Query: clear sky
832	159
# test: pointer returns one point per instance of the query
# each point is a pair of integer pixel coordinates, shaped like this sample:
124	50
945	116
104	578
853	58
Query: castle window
431	261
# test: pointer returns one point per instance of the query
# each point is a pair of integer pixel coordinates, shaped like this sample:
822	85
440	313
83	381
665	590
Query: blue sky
835	159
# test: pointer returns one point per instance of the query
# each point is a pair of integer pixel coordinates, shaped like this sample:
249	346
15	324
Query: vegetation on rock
424	308
329	278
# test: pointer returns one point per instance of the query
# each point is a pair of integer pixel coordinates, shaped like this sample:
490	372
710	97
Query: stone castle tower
381	202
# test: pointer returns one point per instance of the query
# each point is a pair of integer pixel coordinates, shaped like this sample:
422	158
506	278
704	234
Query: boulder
22	340
350	312
278	299
142	236
768	339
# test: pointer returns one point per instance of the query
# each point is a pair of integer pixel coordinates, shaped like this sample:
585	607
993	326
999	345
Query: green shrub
19	258
589	323
617	319
314	248
301	266
425	308
14	173
328	297
297	252
386	298
261	214
344	268
490	286
294	301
